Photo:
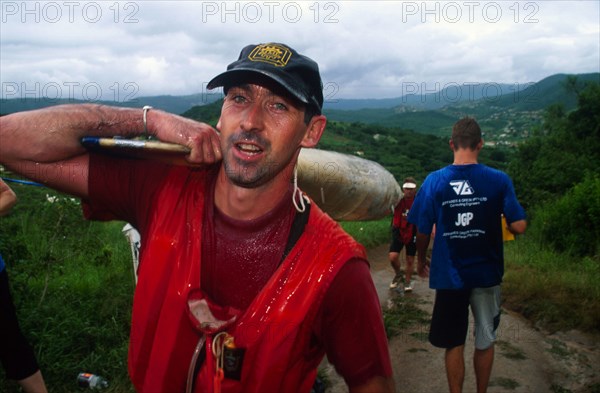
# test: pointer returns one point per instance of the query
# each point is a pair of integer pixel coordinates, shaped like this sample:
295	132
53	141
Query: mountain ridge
507	113
450	95
506	118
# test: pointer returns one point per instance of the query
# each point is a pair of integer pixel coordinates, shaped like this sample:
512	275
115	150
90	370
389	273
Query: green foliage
559	389
557	290
566	148
506	114
505	383
402	152
571	223
72	284
369	233
510	351
434	122
205	113
559	88
403	313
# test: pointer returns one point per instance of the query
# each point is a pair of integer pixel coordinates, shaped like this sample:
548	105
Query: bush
571	223
564	150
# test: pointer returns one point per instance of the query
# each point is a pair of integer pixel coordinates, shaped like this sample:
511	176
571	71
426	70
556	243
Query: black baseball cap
296	73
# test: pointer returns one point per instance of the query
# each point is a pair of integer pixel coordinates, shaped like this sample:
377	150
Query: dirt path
527	360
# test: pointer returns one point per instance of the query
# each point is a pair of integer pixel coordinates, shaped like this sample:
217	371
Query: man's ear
451	144
314	131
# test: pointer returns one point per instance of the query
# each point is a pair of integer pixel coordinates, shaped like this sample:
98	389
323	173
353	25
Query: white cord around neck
297	191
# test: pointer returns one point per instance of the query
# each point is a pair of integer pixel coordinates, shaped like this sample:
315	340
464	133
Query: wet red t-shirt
240	256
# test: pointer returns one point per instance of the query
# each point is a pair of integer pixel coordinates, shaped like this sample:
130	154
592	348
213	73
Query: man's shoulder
495	175
439	174
489	169
435	179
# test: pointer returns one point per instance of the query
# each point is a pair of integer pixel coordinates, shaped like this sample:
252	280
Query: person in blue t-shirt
465	201
16	355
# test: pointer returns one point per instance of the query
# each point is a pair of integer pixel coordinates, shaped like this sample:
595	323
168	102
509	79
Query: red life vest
275	330
407	230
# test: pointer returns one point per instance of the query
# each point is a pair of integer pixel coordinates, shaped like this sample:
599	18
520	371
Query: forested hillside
403	152
563	150
557	175
508	114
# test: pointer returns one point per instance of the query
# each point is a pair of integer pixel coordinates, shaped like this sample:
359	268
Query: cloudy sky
366	49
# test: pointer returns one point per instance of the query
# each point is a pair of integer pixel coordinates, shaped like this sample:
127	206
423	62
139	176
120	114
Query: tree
560	157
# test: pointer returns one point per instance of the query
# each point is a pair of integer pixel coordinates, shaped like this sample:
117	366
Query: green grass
421	336
559	389
594	388
559	349
506	383
509	351
559	291
72	284
402	314
369	233
416	350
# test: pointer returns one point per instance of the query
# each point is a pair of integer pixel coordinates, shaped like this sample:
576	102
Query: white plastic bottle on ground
91	381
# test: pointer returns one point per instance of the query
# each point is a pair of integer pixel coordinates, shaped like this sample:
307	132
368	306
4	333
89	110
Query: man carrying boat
244	284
